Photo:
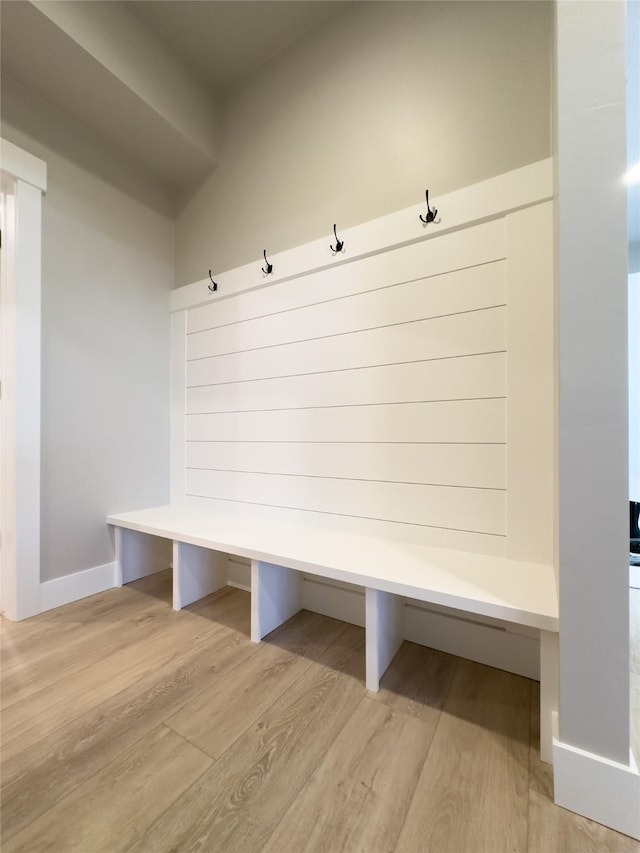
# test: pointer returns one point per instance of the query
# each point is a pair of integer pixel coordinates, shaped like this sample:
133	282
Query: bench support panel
196	572
138	555
276	595
549	680
384	633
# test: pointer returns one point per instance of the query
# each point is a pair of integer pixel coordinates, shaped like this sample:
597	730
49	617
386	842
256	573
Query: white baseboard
597	788
634	576
64	590
512	648
243	586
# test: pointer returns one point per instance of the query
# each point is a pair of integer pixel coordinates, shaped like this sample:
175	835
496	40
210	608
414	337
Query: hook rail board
490	199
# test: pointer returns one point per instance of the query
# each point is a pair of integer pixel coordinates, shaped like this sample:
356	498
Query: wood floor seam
72	720
7	837
205	688
190	742
267	709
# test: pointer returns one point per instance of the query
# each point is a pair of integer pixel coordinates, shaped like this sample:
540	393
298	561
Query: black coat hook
431	214
339	243
213	286
269	268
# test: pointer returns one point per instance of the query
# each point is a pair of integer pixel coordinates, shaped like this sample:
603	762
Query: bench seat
389	571
510	590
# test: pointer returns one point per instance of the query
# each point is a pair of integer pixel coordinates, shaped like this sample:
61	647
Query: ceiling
145	79
226	41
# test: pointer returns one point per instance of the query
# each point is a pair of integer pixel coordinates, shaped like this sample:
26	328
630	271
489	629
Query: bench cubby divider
276	595
384	633
197	572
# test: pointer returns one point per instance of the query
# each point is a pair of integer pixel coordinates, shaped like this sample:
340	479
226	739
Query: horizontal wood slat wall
452	293
469	247
476	465
481	331
460	421
371	397
456	508
463	378
438	537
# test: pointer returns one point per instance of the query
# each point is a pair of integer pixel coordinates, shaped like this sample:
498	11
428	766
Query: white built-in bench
389	571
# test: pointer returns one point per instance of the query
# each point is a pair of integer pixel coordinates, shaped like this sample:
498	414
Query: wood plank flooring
129	727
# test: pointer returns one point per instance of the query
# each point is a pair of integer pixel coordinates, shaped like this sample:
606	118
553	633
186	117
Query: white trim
245	587
490	642
178	406
64	590
21	376
596	787
634	576
22	165
530	385
118	547
549	689
486	200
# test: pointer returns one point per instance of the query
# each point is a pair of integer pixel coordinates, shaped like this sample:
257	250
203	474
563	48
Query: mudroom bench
389	571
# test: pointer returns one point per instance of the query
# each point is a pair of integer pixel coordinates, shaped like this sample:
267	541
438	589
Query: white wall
107	272
593	392
360	117
634	387
633	129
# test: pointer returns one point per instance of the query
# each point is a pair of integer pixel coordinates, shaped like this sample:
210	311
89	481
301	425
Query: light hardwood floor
129	727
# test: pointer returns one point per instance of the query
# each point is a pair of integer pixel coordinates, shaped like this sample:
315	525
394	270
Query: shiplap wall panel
470	247
460	291
443	337
445	379
479	465
467	421
368	397
373	392
438	537
472	510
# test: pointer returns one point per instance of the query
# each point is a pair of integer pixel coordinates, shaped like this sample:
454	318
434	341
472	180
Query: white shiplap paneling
472	510
469	509
443	337
439	537
468	247
461	421
451	293
463	378
479	465
369	395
